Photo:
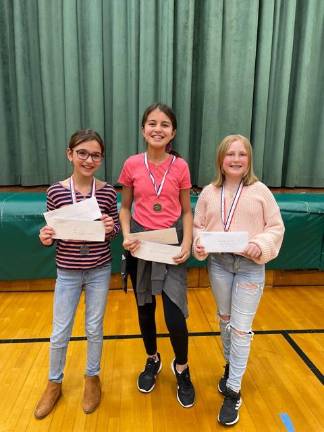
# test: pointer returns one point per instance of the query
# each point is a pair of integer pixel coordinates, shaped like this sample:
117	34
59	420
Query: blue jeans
237	284
68	288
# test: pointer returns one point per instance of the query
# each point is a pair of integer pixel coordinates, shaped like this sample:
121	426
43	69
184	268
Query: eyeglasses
84	154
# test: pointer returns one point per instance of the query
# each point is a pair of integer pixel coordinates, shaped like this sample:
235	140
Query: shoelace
185	378
229	399
150	365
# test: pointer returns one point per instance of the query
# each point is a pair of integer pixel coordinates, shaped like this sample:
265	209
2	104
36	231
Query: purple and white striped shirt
68	251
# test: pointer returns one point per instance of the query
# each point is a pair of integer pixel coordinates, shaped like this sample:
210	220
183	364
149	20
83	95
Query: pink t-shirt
134	174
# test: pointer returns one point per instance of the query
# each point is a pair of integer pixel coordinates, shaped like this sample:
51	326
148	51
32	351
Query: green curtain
253	67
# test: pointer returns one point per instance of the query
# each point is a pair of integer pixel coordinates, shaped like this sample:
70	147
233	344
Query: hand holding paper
76	221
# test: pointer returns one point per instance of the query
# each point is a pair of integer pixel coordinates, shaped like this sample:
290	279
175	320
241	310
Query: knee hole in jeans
224	318
242	333
250	287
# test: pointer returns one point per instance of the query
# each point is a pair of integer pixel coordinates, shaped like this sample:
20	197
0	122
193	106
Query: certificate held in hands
70	229
231	242
158	252
87	209
77	221
164	236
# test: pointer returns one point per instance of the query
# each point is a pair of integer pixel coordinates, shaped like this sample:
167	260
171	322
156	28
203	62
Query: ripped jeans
237	284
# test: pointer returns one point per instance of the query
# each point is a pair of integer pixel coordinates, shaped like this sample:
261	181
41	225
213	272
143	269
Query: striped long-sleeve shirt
68	254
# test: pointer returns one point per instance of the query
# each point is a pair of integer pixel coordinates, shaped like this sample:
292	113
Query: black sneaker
222	382
229	413
185	391
146	379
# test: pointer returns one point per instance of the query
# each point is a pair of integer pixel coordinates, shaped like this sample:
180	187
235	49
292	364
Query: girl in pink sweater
237	201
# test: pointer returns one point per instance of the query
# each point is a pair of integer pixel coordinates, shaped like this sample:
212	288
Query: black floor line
304	357
159	335
284	333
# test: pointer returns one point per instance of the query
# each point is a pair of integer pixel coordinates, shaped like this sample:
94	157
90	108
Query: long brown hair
249	178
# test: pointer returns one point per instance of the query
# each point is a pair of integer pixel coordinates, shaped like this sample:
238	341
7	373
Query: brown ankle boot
48	400
92	394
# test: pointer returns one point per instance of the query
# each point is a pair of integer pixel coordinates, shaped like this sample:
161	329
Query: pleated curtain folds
253	67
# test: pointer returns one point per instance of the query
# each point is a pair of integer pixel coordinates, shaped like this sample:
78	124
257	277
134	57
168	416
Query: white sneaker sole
219	389
237	418
184	406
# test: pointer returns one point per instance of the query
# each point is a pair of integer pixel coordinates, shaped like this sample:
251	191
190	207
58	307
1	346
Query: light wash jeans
237	284
68	288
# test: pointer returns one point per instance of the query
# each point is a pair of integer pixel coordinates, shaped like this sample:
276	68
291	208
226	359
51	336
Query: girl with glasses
80	265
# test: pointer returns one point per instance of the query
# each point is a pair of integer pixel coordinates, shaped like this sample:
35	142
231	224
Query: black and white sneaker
147	378
229	413
185	391
222	382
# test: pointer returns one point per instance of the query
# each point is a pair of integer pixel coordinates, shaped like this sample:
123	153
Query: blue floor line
287	422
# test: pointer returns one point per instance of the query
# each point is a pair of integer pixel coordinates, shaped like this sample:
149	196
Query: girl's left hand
108	223
183	256
252	251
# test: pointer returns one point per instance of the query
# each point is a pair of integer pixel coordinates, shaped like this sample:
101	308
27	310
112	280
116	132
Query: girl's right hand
131	245
46	235
200	250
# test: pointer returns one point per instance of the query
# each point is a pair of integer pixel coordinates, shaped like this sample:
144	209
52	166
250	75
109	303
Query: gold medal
157	207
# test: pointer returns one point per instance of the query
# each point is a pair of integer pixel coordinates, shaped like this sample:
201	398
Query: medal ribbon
93	191
228	221
84	249
158	189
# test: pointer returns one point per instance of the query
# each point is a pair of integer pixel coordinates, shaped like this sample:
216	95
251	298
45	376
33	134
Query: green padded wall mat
303	216
23	257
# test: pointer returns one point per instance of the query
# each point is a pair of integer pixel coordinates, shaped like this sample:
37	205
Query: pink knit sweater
257	213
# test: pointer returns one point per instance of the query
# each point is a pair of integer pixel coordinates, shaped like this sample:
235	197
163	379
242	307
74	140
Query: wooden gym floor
282	388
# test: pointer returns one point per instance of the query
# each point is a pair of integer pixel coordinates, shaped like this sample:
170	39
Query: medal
157	207
227	222
84	249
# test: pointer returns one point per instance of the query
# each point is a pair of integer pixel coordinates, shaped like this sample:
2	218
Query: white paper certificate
71	229
231	242
150	251
165	236
87	209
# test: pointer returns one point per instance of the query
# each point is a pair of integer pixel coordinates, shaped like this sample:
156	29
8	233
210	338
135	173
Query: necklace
227	220
84	248
157	207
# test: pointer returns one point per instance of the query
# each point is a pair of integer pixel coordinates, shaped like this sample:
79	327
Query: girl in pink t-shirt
157	184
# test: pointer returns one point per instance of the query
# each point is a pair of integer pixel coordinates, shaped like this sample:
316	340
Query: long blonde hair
249	178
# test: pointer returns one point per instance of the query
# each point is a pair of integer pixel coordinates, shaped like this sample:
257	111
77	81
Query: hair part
168	111
85	135
249	178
